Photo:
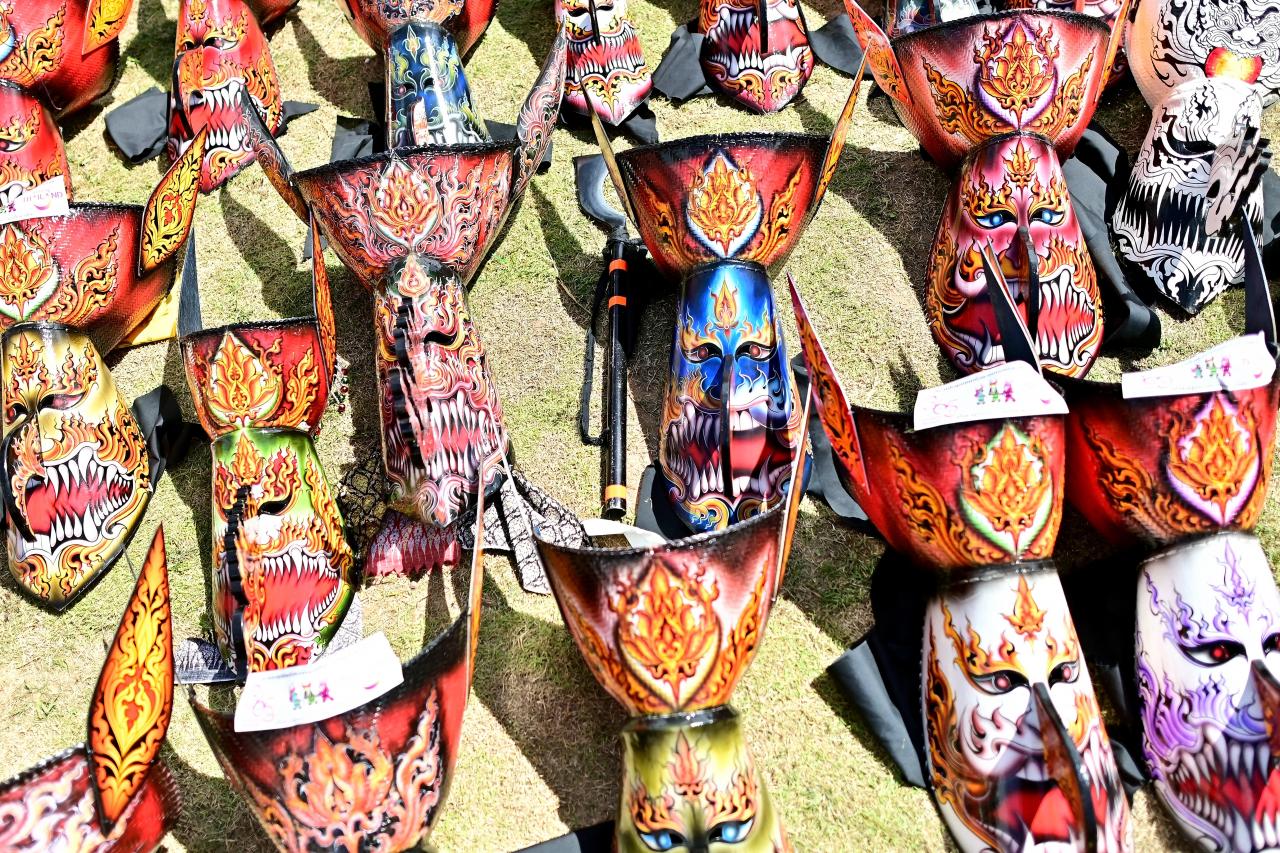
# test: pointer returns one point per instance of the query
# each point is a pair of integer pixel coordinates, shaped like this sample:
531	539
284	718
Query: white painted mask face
994	761
1207	612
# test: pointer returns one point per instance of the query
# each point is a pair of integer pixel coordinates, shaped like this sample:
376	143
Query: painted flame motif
352	795
405	205
1017	70
1215	458
668	630
1027	617
36	53
247	389
26	269
724	207
133	702
1008	490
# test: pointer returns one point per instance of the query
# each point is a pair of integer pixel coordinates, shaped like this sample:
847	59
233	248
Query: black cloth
679	75
168	436
139	127
592	839
835	44
641	125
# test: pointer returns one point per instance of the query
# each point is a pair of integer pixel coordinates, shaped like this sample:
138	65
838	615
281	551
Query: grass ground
539	750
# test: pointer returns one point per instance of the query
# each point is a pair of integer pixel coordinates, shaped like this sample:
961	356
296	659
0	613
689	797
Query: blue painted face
428	99
728	349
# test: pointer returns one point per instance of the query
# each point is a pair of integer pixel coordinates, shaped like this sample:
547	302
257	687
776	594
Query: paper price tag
333	685
46	199
1235	365
1011	390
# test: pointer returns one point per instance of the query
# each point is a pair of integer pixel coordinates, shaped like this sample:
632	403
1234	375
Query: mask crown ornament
283	573
668	630
111	793
717	212
64	51
414	224
1185	475
76	468
1005	96
1017	752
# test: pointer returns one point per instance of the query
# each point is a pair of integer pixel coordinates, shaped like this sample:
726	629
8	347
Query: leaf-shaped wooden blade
477	568
610	161
323	301
1015	337
878	52
832	402
838	135
134	697
166	221
1064	765
538	115
794	495
1268	690
1118	29
270	157
104	21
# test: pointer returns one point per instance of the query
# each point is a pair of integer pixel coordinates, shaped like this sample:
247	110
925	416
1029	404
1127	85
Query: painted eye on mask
277	507
61	402
1004	681
1214	654
704	352
663	839
731	831
219	42
755	351
994	219
1271	644
8	146
1048	215
1065	673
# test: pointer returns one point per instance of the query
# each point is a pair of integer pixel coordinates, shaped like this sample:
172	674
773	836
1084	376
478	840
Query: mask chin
609	64
76	469
761	71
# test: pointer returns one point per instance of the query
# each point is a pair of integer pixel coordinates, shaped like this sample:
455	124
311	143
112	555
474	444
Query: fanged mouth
1230	786
75	501
299	589
736	65
692	455
1064	307
219	110
462	434
612	54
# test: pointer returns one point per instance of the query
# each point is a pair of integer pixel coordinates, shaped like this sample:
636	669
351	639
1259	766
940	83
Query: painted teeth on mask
88	524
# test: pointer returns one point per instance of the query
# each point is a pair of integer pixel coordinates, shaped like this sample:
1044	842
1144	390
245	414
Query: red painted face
1011	195
221	52
31	150
761	74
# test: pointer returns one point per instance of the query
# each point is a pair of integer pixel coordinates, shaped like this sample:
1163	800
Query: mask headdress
1183	470
1017	752
382	770
414	224
1004	97
76	474
111	793
283	574
668	630
1207	69
718	212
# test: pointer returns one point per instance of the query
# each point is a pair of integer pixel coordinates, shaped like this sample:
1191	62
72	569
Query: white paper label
46	199
1011	390
334	684
634	537
1235	365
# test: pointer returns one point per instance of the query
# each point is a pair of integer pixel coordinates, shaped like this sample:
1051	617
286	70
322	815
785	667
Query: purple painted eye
1065	673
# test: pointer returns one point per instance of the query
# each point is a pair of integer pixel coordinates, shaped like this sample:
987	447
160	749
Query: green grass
539	750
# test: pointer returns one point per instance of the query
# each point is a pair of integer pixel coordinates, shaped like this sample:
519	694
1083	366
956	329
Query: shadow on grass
153	47
344	83
531	677
209	801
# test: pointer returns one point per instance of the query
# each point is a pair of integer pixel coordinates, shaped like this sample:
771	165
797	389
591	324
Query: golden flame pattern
668	630
1017	67
1027	617
724	207
26	268
1216	456
133	702
104	21
167	217
246	388
352	794
1008	487
36	53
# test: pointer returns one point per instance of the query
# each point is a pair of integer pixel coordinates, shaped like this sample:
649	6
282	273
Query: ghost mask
605	60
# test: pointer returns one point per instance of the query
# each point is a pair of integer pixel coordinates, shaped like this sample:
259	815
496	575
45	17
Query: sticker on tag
1235	365
334	684
46	199
1011	390
614	534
